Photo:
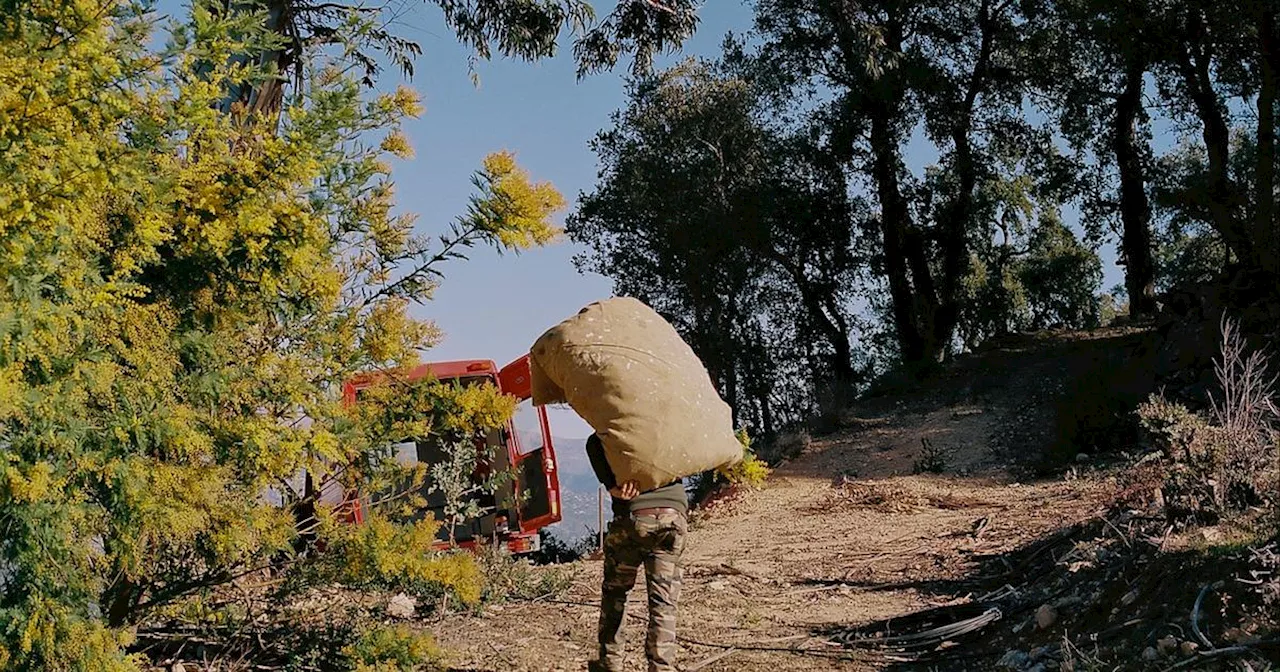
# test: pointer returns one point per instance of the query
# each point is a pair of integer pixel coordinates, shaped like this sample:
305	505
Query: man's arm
599	464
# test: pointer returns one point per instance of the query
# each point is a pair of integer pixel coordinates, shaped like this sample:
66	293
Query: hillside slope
844	541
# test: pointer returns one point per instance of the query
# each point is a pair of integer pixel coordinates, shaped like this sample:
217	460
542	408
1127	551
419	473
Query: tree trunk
955	243
906	264
1135	211
1194	66
120	600
821	305
262	103
895	231
835	331
1267	242
839	330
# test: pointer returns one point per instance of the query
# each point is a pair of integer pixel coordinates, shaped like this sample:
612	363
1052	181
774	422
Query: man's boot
599	666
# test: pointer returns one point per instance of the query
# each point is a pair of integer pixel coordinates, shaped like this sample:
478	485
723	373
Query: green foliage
1051	281
382	554
454	479
1189	250
529	30
751	472
183	287
396	649
1111	306
1061	277
737	232
510	28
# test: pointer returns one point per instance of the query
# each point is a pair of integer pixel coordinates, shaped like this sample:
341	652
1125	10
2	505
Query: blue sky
493	307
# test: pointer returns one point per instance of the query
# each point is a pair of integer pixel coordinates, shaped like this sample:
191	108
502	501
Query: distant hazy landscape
578	491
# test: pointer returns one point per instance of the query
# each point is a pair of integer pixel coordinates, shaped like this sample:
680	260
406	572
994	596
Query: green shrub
751	472
932	460
508	577
182	289
396	649
1229	461
381	555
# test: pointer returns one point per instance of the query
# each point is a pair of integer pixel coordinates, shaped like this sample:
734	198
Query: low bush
932	460
1227	462
508	577
784	447
751	472
395	649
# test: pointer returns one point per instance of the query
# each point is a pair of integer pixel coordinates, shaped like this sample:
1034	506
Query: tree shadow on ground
1023	603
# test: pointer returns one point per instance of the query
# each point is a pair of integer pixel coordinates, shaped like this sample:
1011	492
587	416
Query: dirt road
842	536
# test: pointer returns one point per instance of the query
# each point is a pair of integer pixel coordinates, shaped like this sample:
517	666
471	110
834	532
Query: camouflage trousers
655	542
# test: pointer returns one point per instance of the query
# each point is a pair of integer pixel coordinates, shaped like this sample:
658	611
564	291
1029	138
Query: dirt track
805	555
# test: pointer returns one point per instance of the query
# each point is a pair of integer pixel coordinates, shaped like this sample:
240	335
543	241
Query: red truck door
535	459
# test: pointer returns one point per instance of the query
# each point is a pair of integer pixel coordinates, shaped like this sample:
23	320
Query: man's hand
627	490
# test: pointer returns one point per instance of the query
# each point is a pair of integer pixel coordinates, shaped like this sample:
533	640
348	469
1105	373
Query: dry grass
1245	416
894	496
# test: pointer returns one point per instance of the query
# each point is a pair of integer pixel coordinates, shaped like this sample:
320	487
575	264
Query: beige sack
642	389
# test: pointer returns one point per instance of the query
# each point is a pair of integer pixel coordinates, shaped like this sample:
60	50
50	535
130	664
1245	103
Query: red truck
526	504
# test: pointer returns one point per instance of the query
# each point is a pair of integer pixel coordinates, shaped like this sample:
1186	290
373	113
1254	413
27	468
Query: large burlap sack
642	389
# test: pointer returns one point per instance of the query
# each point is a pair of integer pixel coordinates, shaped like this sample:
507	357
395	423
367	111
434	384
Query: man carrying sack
657	419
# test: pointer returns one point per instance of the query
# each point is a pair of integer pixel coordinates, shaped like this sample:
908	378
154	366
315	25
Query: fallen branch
1195	618
983	524
819	589
711	660
1122	535
724	569
802	651
892	554
930	637
1217	653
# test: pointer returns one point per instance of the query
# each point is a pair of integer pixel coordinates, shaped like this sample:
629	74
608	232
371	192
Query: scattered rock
402	606
1241	636
1189	649
1046	616
718	585
1150	654
1014	660
1167	645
